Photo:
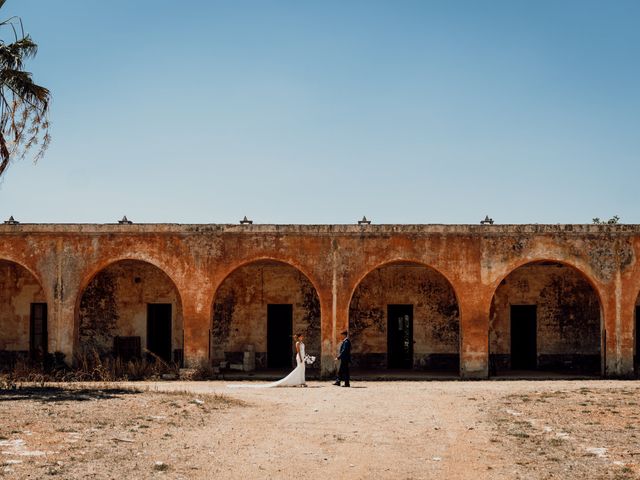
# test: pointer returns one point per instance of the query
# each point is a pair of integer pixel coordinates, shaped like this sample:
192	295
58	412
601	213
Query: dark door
279	335
38	331
159	330
400	336
636	357
523	337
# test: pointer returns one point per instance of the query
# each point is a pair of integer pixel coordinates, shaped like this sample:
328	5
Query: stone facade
460	279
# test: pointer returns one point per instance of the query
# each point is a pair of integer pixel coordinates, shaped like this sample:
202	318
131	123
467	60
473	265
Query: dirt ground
396	430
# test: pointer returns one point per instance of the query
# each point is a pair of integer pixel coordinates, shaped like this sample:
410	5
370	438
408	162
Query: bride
296	377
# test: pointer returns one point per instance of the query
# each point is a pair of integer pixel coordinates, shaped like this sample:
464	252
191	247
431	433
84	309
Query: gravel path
395	430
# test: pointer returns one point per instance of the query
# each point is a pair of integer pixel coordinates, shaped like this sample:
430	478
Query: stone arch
129	306
243	304
429	340
561	307
23	314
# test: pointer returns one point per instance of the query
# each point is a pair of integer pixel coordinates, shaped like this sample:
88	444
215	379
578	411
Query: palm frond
12	23
24	105
14	54
21	84
4	154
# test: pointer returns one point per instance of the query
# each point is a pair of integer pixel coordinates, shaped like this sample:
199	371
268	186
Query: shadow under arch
636	336
23	313
128	305
399	261
257	307
405	314
546	316
267	258
549	259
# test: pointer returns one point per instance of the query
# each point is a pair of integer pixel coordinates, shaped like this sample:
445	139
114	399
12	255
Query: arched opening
131	308
23	315
545	316
405	316
256	311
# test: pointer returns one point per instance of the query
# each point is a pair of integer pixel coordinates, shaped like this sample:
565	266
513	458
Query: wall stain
99	314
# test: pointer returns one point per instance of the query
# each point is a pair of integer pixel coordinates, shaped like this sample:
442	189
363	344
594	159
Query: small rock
160	466
597	451
436	459
197	401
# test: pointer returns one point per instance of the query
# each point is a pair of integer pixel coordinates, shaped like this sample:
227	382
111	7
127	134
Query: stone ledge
328	229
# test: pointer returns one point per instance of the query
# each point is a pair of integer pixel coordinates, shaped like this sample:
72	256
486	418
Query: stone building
474	300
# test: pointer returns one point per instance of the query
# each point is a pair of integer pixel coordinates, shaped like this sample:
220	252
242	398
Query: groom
345	358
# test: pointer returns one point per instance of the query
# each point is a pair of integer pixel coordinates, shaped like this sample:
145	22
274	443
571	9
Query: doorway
400	336
38	341
279	335
636	357
159	330
524	347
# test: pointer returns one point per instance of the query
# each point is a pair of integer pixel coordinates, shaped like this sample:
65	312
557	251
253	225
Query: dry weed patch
569	440
100	431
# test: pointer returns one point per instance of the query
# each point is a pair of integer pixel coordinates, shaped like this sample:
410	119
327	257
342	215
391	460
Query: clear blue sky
321	112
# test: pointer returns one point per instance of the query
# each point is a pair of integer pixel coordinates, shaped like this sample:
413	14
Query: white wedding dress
294	379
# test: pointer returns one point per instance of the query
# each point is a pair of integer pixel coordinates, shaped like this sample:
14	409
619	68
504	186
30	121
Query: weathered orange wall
335	258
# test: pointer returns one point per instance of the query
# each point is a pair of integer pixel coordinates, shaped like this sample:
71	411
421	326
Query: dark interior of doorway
159	330
636	356
279	335
38	341
523	337
400	336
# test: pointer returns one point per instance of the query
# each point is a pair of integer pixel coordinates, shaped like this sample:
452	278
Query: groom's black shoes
346	385
337	384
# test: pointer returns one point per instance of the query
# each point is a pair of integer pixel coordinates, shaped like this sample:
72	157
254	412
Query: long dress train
294	379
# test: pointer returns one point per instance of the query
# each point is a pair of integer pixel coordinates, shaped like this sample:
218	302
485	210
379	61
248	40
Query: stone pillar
335	315
618	304
63	337
197	328
327	331
61	283
197	300
474	332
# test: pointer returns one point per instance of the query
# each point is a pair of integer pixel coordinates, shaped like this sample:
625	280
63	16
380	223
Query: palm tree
24	105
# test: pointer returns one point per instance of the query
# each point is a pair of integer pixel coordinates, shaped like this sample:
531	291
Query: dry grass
88	366
77	431
575	433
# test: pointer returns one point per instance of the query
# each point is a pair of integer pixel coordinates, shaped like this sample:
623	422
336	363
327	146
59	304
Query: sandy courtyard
395	430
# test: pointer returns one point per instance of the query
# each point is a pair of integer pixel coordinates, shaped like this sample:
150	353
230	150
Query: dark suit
345	358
